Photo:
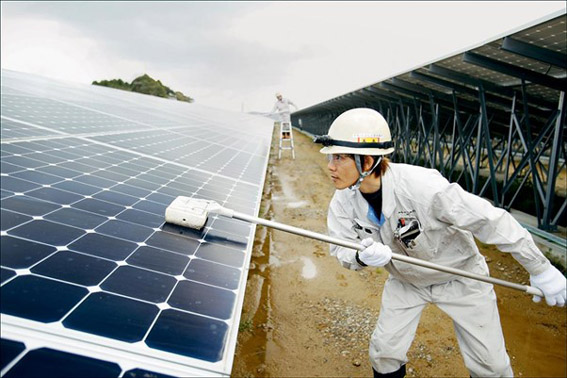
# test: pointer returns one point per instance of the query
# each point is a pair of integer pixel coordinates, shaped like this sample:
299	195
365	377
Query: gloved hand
375	254
552	283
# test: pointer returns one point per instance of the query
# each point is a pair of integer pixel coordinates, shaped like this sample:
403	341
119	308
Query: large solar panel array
93	282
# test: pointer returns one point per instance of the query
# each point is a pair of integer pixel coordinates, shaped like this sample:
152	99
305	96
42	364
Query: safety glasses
339	158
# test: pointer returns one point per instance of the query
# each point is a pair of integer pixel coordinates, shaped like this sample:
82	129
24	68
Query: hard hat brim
356	151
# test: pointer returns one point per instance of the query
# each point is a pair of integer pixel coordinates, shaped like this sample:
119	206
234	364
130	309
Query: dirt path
306	316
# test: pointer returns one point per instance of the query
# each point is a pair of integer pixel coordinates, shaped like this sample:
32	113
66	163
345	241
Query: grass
246	325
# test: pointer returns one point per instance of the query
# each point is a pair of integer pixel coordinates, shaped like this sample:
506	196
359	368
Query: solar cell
93	282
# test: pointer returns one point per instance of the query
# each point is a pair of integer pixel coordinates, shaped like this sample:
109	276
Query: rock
356	363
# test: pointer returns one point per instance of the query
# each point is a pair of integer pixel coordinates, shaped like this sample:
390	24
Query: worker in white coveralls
410	210
282	107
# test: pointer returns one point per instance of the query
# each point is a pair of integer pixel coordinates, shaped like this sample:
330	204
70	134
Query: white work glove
375	254
552	283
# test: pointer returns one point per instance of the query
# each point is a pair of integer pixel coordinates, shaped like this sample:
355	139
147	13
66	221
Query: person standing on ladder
282	107
415	211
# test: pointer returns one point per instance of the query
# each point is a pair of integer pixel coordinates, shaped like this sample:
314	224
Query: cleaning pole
193	213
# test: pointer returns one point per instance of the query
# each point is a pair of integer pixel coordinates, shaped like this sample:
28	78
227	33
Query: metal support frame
495	140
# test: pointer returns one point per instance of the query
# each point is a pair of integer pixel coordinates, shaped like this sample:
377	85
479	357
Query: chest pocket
365	230
422	247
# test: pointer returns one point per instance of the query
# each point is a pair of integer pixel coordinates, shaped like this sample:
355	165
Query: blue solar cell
77	187
6	274
37	177
161	198
174	243
226	239
142	184
20	254
152	207
28	206
12	148
232	226
103	246
122	171
141	217
131	190
116	197
78	166
45	157
188	335
47	362
5	193
75	267
48	232
126	230
9	168
159	260
39	299
99	207
181	186
153	178
202	299
112	316
9	350
23	161
64	155
57	171
9	219
76	218
213	274
55	195
113	176
99	182
209	194
17	185
221	254
139	283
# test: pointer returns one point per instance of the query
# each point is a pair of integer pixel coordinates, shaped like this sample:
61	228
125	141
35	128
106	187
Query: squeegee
193	213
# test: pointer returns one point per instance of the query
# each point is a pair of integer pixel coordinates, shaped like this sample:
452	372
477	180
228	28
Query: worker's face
279	98
342	169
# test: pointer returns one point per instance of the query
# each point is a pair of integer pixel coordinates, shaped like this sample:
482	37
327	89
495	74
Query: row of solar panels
536	55
93	282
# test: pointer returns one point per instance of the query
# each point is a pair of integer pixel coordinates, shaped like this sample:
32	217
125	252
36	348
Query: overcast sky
236	55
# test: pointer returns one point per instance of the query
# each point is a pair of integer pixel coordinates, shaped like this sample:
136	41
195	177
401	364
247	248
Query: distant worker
281	107
414	211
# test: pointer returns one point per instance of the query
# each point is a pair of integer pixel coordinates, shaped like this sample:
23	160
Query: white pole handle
395	256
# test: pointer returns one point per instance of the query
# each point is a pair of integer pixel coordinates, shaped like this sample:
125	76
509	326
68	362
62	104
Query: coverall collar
388	201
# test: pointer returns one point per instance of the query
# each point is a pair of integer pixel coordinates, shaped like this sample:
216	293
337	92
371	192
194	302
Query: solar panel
93	282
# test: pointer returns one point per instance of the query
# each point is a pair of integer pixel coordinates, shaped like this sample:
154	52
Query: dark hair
382	167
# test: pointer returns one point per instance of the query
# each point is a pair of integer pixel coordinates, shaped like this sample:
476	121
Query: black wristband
358	260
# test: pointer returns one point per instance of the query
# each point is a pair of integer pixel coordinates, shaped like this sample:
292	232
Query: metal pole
395	256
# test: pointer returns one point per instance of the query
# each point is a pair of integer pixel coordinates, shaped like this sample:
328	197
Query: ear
368	163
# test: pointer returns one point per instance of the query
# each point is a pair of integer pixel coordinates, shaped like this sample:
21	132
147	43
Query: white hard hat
359	131
278	94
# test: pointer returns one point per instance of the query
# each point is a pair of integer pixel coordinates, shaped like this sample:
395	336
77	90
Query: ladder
286	143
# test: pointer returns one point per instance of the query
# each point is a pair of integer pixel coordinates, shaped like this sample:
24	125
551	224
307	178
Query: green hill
144	84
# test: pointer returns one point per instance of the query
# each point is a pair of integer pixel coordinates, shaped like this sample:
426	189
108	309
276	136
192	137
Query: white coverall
450	217
283	108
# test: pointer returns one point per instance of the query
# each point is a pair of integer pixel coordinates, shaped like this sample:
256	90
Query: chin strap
358	159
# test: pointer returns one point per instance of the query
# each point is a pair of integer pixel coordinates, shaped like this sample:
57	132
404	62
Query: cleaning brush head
193	212
187	212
